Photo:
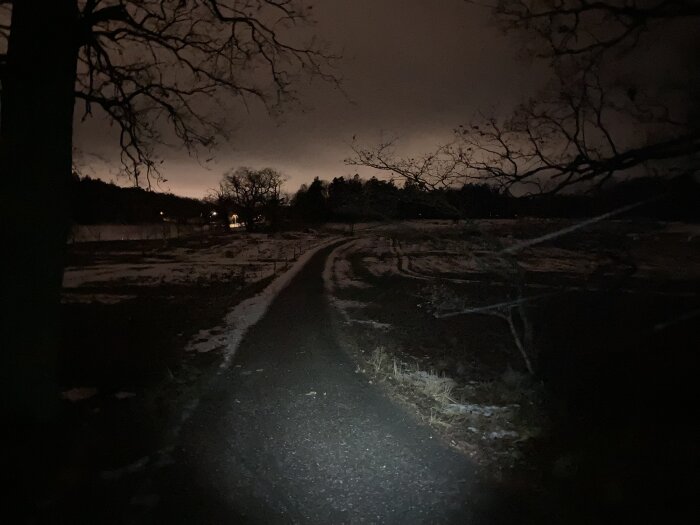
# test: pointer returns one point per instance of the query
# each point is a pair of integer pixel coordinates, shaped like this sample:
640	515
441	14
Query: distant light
214	213
162	213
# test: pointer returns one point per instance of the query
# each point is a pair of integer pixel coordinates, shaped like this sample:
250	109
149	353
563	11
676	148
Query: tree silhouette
608	109
585	28
251	193
311	203
159	70
605	111
346	198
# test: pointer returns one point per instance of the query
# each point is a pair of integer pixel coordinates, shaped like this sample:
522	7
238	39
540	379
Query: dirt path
291	434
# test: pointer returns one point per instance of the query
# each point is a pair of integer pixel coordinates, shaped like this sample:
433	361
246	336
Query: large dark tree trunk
35	165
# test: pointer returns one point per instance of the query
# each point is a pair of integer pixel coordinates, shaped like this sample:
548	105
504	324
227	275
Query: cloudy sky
412	69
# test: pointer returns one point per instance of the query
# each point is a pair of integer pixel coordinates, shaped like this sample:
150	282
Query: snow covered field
248	257
442	249
140	304
132	232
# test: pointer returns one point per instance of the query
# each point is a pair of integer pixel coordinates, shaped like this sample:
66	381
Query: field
605	316
142	322
610	311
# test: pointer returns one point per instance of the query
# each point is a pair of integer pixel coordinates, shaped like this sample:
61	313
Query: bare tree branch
585	27
587	126
158	64
249	192
429	172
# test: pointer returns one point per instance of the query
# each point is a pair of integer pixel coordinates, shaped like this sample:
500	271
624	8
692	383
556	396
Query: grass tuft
487	420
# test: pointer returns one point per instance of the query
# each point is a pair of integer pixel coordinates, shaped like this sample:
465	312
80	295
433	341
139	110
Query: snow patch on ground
445	264
380	267
369	322
338	273
439	249
101	298
247	313
347	303
252	258
137	466
125	232
474	409
79	394
124	395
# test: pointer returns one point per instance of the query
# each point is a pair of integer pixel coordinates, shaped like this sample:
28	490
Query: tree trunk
36	127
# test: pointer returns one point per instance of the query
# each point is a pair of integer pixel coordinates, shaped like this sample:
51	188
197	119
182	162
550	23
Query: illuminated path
306	439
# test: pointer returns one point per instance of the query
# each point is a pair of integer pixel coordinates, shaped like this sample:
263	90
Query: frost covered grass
487	420
430	383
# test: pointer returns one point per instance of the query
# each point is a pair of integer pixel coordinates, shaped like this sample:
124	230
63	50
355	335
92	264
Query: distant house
233	222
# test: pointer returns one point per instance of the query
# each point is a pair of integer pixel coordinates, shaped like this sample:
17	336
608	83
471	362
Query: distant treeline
98	202
354	199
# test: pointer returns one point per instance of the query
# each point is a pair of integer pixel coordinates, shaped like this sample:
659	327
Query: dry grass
429	383
486	420
378	359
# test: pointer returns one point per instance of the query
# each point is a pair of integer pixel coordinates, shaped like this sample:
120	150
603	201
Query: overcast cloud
413	69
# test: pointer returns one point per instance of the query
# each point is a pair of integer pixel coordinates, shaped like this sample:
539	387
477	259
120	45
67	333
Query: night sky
412	69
